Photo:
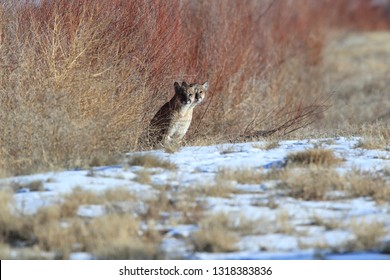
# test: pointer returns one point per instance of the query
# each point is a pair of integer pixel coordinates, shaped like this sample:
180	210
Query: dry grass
144	177
108	228
128	250
219	188
268	145
368	235
100	236
33	186
149	160
13	228
315	156
356	69
118	194
76	198
104	159
183	208
358	183
231	149
316	183
312	184
327	223
59	230
215	235
54	236
375	136
282	223
249	175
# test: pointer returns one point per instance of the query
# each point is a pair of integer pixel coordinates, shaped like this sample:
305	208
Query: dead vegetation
249	175
13	229
121	232
375	136
364	184
149	161
268	145
215	235
33	186
183	208
144	177
315	180
59	229
218	188
313	184
313	157
368	235
328	224
81	80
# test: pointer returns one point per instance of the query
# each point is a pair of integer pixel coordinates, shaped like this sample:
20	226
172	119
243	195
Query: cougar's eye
190	95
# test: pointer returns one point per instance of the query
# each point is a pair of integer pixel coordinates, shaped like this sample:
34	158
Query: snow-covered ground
301	238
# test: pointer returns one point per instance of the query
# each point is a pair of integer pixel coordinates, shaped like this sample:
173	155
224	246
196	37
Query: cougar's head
185	93
201	92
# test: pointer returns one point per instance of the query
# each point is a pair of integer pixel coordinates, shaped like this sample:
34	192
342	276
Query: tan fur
172	121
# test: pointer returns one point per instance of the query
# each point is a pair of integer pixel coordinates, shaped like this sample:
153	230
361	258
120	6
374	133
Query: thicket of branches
82	78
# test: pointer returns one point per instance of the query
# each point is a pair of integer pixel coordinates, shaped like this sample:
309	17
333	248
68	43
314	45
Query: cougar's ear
176	86
206	85
184	84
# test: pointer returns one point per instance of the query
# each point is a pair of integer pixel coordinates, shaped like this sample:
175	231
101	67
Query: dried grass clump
180	209
315	156
78	197
108	228
359	183
282	223
58	236
268	145
117	235
249	175
149	160
118	194
14	228
99	236
327	223
144	177
312	184
215	235
375	136
127	250
316	183
58	233
105	159
72	201
33	186
368	235
219	188
241	176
